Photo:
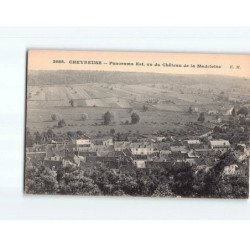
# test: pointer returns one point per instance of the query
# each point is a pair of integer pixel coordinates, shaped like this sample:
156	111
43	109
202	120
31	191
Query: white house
140	163
230	170
193	143
56	158
83	144
220	145
178	149
213	112
108	142
160	138
141	148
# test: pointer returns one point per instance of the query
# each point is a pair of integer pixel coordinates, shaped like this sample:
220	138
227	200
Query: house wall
220	149
142	151
140	164
108	142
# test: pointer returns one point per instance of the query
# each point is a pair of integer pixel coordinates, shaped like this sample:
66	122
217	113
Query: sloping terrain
71	93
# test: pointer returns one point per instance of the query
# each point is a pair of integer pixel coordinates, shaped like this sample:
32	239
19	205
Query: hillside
63	77
161	100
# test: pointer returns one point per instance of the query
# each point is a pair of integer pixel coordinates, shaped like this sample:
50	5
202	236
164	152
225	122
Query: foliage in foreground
184	181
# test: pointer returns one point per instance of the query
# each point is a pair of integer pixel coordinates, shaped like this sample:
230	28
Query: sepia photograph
137	124
122	117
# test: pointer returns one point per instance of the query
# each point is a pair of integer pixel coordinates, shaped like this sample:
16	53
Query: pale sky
227	63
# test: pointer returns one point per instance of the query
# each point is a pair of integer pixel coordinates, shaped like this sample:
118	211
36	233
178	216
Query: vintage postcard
137	124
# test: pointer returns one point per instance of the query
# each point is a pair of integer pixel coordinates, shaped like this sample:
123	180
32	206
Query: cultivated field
166	98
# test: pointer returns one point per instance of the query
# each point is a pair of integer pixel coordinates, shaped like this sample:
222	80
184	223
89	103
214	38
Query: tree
201	117
144	108
70	134
107	117
50	134
243	111
79	133
163	190
72	103
233	112
73	181
119	192
38	137
130	110
112	131
128	183
84	117
218	129
29	138
135	118
204	140
40	180
182	181
61	123
53	117
190	110
231	187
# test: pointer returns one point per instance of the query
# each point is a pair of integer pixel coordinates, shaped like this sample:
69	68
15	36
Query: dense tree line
184	181
47	136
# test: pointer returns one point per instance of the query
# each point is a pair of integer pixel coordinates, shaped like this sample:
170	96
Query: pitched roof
192	142
178	148
126	153
53	150
81	153
161	146
220	143
192	154
97	141
115	154
82	141
120	144
166	152
141	145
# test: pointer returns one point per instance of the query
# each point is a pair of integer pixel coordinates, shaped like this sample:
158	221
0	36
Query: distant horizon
135	72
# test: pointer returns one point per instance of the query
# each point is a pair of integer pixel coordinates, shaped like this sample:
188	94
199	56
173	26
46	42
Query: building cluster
143	152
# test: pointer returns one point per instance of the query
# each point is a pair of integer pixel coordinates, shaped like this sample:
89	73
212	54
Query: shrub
53	117
107	117
243	111
201	117
112	131
135	118
84	117
61	123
